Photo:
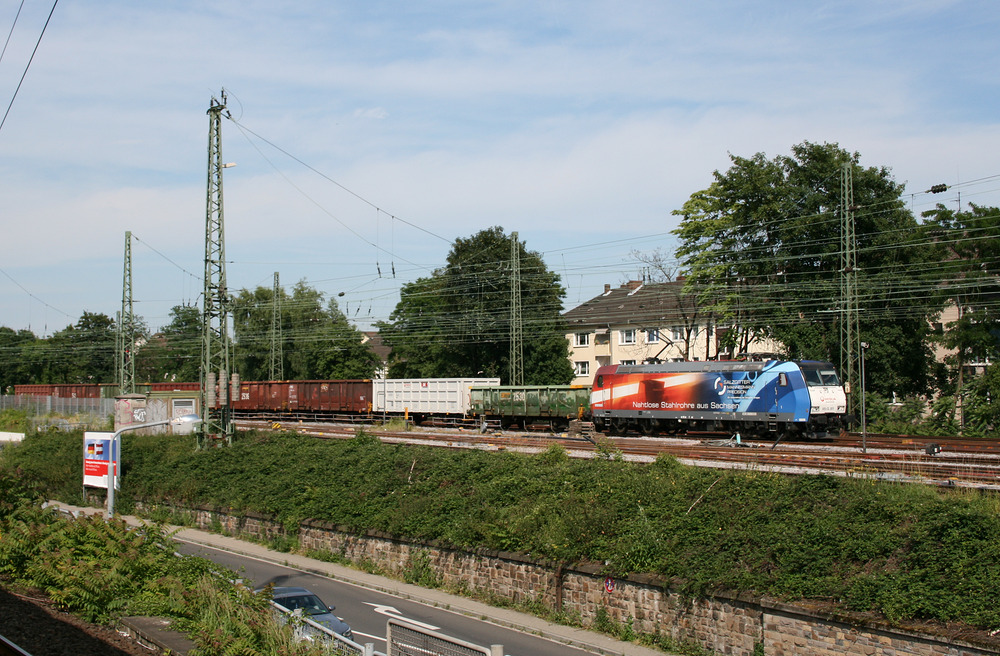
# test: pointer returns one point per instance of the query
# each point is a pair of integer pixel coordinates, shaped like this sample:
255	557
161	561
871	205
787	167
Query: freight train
442	401
787	399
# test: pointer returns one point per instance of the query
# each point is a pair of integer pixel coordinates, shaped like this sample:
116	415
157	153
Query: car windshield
310	604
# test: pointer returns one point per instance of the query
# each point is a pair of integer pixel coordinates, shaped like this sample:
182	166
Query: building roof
374	341
651	305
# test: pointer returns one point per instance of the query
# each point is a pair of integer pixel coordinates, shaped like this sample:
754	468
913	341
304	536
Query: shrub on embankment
104	570
906	551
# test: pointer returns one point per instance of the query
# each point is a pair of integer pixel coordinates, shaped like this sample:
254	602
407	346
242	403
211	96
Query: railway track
952	462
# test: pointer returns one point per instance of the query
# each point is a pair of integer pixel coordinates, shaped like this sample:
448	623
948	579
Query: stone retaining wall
731	625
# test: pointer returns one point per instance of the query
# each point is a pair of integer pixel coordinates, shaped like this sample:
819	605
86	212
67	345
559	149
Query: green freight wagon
535	407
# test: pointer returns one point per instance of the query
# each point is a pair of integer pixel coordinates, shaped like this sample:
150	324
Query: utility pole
850	333
277	357
516	328
215	347
126	328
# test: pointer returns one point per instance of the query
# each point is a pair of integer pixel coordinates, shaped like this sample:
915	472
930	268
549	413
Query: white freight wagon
426	396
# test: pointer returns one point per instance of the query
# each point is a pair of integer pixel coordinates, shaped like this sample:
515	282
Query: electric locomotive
786	399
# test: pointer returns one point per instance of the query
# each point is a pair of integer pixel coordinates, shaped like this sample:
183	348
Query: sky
368	136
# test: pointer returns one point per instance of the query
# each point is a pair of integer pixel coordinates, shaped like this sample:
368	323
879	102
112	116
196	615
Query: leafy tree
317	342
14	368
417	333
83	352
252	319
982	402
761	248
969	275
173	354
457	321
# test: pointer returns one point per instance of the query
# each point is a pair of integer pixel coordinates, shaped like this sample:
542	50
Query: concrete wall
725	624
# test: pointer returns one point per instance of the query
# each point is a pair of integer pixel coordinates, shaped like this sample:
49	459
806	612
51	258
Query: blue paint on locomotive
779	389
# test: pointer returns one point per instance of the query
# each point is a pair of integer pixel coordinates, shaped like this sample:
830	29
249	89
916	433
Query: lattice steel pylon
215	346
277	355
516	327
850	335
126	328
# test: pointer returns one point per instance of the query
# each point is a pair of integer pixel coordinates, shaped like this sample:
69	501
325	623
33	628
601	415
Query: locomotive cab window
783	380
600	381
821	377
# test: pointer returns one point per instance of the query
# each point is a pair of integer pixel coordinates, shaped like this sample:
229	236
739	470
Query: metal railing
336	644
404	639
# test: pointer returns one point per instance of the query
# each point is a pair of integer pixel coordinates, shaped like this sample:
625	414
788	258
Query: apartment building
638	322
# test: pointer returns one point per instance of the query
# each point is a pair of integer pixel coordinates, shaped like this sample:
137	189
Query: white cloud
574	123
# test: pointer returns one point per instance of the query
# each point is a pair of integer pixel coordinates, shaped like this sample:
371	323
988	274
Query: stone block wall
726	625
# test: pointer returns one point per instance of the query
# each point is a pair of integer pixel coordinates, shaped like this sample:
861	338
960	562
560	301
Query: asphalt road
366	601
366	611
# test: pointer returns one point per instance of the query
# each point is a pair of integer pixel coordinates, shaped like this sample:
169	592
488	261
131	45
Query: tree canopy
761	246
457	321
316	340
173	354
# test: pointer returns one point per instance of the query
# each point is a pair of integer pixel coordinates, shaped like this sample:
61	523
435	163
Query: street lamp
115	449
864	427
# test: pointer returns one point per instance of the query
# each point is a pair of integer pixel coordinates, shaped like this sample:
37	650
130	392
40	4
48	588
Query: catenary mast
277	355
126	328
850	351
215	347
516	327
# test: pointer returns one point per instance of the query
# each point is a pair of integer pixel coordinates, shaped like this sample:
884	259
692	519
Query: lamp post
864	427
115	449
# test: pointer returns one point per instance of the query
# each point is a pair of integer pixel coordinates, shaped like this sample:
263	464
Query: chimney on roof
633	284
607	288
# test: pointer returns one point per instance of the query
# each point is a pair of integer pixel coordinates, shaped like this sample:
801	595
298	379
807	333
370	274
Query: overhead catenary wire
28	65
338	184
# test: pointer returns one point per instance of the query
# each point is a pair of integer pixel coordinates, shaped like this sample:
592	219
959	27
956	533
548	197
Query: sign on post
97	456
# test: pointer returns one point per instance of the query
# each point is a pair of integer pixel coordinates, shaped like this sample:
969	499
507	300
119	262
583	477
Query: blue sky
581	125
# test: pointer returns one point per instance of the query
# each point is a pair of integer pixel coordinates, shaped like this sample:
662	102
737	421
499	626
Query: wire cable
28	65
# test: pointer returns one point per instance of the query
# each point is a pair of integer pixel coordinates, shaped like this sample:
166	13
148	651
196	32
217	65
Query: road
366	601
367	611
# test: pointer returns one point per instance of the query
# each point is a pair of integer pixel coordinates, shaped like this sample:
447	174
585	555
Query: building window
626	336
581	368
581	339
652	336
677	332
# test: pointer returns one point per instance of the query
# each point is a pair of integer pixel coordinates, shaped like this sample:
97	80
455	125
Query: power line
21	287
331	180
28	65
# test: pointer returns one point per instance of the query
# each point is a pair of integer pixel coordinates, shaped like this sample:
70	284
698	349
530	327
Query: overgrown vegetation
103	570
905	551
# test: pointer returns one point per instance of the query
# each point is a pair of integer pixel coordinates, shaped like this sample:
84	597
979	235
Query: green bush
906	551
14	421
102	570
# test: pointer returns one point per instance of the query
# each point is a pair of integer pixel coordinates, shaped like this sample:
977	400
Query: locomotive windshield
821	377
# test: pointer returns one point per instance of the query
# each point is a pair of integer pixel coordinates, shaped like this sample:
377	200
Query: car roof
283	592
